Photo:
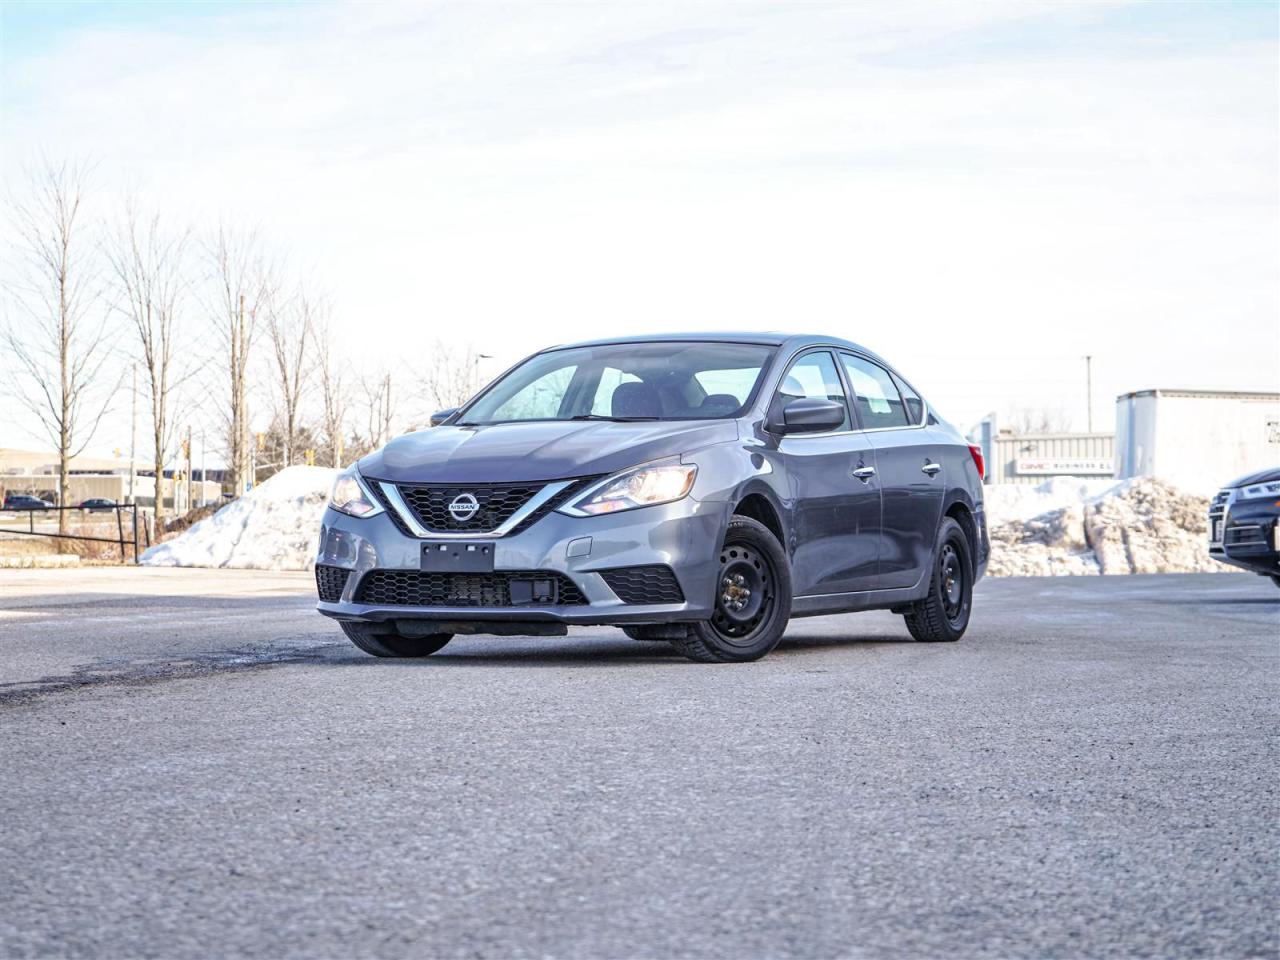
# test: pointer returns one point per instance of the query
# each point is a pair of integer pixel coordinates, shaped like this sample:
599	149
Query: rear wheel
752	602
943	615
382	641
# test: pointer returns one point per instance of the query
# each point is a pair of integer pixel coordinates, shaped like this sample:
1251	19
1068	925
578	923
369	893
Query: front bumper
1250	534
684	536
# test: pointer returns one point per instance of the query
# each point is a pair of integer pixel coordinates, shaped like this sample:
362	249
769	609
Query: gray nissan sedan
698	489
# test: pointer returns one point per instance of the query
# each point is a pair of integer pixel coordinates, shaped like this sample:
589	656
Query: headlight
1259	491
350	496
654	483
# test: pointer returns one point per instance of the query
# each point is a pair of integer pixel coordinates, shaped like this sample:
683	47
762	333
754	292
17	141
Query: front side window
878	400
815	376
660	380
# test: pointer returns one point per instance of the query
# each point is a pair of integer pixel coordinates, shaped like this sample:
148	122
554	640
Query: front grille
1244	534
479	524
430	504
417	588
330	582
1218	505
652	584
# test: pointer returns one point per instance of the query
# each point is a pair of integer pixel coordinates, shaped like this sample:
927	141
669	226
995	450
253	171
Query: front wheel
381	641
943	615
752	601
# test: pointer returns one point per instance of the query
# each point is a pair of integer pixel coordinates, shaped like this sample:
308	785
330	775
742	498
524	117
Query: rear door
836	516
909	465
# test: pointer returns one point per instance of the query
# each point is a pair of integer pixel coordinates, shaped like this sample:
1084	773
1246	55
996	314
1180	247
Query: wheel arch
961	511
757	502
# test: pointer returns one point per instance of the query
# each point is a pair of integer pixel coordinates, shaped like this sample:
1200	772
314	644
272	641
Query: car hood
518	452
1262	476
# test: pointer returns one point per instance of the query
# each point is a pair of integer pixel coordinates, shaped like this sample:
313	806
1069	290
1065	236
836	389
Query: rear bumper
984	543
683	536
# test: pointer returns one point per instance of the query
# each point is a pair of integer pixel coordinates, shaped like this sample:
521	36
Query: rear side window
815	376
879	403
611	379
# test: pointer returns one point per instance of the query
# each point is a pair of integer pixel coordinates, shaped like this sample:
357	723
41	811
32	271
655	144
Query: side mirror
440	416
810	415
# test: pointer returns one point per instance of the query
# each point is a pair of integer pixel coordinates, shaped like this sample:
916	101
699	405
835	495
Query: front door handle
930	468
865	473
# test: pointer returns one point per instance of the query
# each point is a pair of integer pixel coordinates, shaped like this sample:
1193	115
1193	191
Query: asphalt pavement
195	764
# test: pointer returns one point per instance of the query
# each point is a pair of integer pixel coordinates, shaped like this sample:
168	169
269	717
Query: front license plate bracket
457	557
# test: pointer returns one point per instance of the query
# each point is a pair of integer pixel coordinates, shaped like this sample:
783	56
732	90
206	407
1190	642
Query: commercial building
1196	439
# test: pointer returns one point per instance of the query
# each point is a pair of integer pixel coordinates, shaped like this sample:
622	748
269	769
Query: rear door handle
865	473
931	468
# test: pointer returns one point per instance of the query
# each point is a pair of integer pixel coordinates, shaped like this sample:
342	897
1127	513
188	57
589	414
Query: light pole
1088	387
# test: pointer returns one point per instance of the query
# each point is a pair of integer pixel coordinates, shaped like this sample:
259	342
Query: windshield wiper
601	416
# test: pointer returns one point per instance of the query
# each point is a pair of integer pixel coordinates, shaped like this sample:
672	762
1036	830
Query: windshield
671	380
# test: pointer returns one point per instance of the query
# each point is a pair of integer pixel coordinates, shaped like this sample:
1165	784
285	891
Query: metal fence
1033	458
119	539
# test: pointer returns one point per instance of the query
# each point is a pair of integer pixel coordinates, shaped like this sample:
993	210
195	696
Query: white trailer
1196	439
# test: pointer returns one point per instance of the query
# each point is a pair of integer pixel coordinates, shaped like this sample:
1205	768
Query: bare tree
378	412
334	397
241	290
451	378
59	338
148	267
1025	420
289	327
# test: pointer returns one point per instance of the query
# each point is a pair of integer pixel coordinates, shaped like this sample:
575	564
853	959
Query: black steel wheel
752	602
943	615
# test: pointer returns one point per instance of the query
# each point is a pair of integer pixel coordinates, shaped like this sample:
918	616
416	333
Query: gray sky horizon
983	193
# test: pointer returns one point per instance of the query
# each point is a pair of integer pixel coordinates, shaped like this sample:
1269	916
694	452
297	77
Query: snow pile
273	527
1062	526
1068	526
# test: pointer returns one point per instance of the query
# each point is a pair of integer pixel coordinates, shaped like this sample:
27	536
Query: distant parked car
1244	524
98	505
23	501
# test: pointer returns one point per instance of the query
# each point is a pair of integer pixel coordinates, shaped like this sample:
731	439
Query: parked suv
1244	524
699	489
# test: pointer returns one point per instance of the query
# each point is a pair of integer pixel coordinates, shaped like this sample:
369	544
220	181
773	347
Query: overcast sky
983	193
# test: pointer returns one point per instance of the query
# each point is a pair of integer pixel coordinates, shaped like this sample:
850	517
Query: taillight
976	453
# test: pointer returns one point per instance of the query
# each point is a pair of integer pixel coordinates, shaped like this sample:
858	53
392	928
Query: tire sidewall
952	532
755	535
383	643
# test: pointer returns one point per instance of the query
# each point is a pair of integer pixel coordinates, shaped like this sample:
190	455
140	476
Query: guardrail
119	509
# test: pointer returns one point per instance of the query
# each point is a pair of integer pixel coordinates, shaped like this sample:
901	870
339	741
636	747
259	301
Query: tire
943	615
1275	578
752	602
381	641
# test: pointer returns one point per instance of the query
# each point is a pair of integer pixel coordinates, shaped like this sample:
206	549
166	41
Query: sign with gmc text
1065	466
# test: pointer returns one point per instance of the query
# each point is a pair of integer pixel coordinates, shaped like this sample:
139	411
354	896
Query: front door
835	531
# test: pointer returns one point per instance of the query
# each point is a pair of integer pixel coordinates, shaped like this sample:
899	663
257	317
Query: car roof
773	339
